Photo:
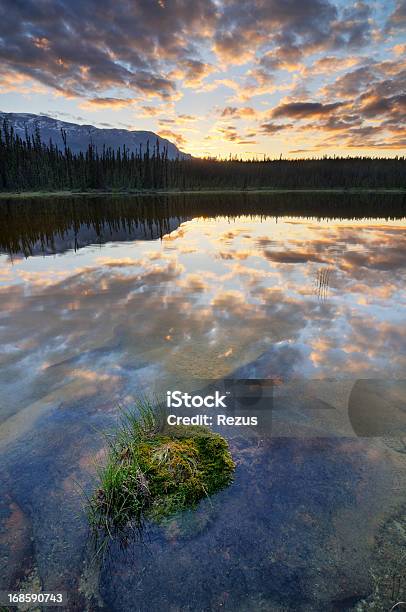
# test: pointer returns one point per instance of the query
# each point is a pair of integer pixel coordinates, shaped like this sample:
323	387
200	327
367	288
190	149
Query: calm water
102	299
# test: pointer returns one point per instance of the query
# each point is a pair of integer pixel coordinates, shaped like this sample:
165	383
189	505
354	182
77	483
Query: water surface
104	298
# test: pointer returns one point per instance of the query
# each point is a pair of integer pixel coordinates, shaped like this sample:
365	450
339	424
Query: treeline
29	164
35	226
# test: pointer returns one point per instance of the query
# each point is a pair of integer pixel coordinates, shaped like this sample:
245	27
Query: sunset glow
216	77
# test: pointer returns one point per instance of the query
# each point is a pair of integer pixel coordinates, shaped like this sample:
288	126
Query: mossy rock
158	474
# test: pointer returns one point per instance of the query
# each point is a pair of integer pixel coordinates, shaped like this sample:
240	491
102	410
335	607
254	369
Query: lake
107	298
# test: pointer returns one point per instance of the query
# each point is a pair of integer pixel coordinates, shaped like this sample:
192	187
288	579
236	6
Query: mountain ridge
79	136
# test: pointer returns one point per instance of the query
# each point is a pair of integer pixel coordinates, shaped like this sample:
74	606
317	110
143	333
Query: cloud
230	134
370	114
352	82
399	49
240	113
282	58
385	75
150	111
398	18
292	257
273	128
354	29
277	36
375	105
331	64
113	103
187	117
303	110
152	85
193	72
373	115
82	48
293	29
178	138
248	24
338	64
229	111
12	81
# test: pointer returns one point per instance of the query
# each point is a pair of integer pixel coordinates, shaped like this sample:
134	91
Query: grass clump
153	472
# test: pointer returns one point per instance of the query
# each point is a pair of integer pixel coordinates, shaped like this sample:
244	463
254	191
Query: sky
297	78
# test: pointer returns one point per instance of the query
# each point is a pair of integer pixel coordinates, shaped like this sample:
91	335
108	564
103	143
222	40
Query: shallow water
102	299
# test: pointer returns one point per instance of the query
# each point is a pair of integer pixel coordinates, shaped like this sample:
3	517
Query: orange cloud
111	103
178	138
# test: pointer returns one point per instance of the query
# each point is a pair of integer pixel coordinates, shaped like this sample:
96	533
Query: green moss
154	473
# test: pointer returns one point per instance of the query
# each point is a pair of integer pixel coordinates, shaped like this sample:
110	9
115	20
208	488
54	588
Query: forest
36	225
28	164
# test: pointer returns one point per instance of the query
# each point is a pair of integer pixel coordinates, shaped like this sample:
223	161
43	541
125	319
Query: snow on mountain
79	136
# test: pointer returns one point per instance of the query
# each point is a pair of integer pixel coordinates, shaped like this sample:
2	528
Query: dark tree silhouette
29	164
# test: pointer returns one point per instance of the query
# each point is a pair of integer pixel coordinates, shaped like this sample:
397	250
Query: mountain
79	136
